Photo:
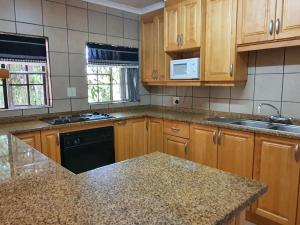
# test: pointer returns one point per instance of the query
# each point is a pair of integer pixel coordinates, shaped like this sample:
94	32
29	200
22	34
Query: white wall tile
252	63
30	29
77	19
115	40
115	12
62	105
7	10
201	103
96	7
184	91
145	100
77	41
268	87
77	65
131	29
99	106
57	39
59	87
77	3
10	113
97	22
292	60
201	92
54	14
291	87
156	100
29	11
7	26
131	43
266	110
132	16
80	83
115	26
59	64
291	109
156	90
29	112
167	101
220	92
221	105
97	38
244	92
241	106
270	61
171	91
80	104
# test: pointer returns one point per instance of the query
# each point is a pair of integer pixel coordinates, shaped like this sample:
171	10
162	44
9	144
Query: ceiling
137	3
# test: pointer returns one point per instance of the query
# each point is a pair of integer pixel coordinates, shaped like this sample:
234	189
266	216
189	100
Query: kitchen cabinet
235	152
203	146
176	146
155	135
222	62
31	138
51	144
276	164
153	55
138	137
182	25
268	23
122	140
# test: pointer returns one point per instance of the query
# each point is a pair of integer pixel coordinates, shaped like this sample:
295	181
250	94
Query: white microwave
185	69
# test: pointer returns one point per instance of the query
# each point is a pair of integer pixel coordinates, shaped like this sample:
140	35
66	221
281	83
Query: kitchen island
152	189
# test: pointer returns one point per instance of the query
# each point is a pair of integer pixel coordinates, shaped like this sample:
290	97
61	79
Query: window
26	59
112	74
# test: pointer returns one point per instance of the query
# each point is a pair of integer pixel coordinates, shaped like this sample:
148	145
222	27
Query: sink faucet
275	118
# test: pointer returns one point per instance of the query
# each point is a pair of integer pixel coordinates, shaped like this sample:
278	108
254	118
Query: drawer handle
297	153
215	137
175	129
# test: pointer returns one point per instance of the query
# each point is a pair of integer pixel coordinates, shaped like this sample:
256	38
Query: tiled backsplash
274	77
69	24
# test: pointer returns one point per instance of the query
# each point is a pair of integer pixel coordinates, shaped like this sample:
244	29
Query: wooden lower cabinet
235	152
276	166
176	146
31	138
203	146
121	139
51	144
155	135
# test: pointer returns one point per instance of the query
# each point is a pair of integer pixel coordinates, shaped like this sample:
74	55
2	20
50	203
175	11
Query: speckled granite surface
153	189
198	118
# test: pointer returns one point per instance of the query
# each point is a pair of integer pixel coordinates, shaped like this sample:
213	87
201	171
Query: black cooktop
77	118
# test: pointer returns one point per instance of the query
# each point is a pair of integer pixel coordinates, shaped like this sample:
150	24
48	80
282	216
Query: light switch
71	92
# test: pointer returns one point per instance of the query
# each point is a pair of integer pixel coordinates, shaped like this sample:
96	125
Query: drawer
178	129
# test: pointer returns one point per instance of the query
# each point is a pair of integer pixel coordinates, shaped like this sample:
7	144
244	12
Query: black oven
88	149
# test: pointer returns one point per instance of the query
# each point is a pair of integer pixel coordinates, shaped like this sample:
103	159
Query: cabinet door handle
122	122
219	137
214	137
57	139
185	148
181	40
271	27
147	125
297	153
178	40
231	69
175	129
277	26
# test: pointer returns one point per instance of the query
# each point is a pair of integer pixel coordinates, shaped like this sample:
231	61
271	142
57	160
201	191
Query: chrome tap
275	118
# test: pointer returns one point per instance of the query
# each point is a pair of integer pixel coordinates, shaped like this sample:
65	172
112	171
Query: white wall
69	24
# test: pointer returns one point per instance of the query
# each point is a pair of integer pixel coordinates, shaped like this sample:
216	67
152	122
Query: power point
175	100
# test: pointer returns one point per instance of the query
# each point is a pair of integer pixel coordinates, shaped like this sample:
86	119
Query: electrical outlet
175	100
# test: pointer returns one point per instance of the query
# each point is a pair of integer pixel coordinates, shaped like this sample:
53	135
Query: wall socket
175	100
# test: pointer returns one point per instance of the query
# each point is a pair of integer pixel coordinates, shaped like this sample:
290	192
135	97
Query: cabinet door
191	23
235	152
288	17
256	21
176	146
275	166
122	140
138	137
31	138
51	144
147	40
172	27
155	135
159	52
220	40
204	148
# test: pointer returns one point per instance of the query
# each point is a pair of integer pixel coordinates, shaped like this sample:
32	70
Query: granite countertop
152	189
197	118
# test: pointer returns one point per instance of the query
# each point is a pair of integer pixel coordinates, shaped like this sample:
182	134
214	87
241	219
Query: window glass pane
103	79
104	70
19	95
35	79
37	95
116	76
92	69
92	79
16	67
104	93
32	68
116	92
2	105
18	79
93	93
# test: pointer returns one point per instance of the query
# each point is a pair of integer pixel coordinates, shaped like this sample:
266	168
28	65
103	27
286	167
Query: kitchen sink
287	128
254	123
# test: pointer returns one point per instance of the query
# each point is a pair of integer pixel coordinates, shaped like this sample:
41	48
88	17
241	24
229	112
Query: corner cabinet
51	144
268	24
222	62
153	55
182	25
155	135
276	164
33	139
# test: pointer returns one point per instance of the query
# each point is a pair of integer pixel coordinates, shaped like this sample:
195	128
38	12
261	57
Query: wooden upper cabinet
138	137
172	27
222	62
176	146
235	152
152	38
182	25
191	23
256	20
51	144
275	165
155	135
203	145
33	139
288	19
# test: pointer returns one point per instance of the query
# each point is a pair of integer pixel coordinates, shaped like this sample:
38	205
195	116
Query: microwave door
180	70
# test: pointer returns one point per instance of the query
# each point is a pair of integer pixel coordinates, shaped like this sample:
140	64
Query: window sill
25	108
106	103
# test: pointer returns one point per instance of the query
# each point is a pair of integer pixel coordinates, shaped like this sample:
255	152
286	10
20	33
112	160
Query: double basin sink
258	124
